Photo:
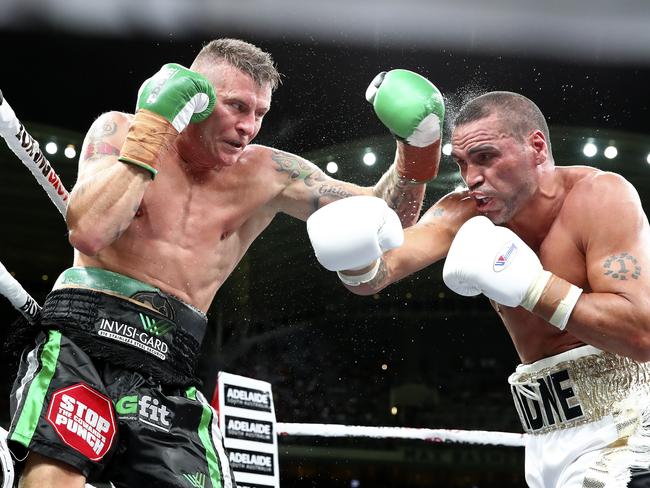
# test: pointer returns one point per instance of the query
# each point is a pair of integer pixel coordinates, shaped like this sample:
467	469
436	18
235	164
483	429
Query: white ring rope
431	435
29	152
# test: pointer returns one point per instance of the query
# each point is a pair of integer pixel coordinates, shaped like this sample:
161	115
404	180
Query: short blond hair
246	57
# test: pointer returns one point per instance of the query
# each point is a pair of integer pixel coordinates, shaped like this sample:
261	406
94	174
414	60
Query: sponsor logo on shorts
249	429
197	480
146	337
556	405
251	461
145	409
504	257
252	399
84	419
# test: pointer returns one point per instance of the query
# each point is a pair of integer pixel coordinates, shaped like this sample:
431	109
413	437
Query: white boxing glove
492	260
353	233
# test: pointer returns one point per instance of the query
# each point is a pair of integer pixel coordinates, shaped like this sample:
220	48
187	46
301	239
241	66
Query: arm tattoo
313	178
621	266
297	168
381	278
402	196
98	149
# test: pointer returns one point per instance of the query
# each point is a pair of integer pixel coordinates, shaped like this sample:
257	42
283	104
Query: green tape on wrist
142	165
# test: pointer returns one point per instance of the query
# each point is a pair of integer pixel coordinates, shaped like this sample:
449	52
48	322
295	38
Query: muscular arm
425	243
614	313
108	193
308	188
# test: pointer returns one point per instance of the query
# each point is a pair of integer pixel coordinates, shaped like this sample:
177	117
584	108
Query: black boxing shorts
113	424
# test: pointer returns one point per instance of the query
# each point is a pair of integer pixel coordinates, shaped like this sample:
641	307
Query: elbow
362	290
639	347
85	242
85	238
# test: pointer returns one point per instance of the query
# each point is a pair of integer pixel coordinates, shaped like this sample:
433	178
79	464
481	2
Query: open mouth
235	144
482	202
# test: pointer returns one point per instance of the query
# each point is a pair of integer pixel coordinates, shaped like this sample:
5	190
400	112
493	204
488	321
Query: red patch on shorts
84	419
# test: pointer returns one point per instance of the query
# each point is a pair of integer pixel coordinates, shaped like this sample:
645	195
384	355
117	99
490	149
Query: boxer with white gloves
492	260
352	234
563	254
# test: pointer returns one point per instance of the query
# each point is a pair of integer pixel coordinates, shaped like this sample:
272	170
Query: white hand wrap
493	260
353	233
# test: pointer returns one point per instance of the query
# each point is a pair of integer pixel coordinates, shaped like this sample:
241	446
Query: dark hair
244	56
520	113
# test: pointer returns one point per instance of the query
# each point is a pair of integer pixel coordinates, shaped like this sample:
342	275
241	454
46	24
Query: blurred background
416	355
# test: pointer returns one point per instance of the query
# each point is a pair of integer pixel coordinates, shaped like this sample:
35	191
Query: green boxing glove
167	102
413	110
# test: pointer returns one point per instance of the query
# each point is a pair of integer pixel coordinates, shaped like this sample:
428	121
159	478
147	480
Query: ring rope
484	437
29	152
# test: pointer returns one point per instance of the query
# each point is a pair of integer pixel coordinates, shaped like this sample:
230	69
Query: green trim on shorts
102	280
34	402
206	439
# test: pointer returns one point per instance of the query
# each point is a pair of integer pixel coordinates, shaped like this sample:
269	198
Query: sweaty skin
587	227
186	231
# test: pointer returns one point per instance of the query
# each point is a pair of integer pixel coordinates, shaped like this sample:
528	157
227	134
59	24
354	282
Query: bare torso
191	231
562	255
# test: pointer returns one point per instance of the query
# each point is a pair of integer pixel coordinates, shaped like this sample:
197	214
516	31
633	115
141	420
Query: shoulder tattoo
622	267
101	129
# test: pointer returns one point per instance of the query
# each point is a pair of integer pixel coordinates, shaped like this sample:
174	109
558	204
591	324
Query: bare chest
533	337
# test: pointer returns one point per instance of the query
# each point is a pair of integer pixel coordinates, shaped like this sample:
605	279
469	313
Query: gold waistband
579	386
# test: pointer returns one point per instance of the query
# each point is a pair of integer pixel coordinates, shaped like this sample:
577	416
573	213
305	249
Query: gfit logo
146	409
238	396
84	419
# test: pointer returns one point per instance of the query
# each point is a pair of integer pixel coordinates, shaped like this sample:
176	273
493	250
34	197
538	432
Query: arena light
70	151
51	148
590	150
647	158
393	410
384	367
446	149
610	152
369	159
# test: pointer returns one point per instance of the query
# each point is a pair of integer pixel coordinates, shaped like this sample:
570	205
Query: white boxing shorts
587	416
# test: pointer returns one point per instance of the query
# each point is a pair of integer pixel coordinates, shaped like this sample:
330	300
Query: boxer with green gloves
413	109
167	102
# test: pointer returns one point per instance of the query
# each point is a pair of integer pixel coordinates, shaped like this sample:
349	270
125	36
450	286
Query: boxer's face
237	116
497	167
